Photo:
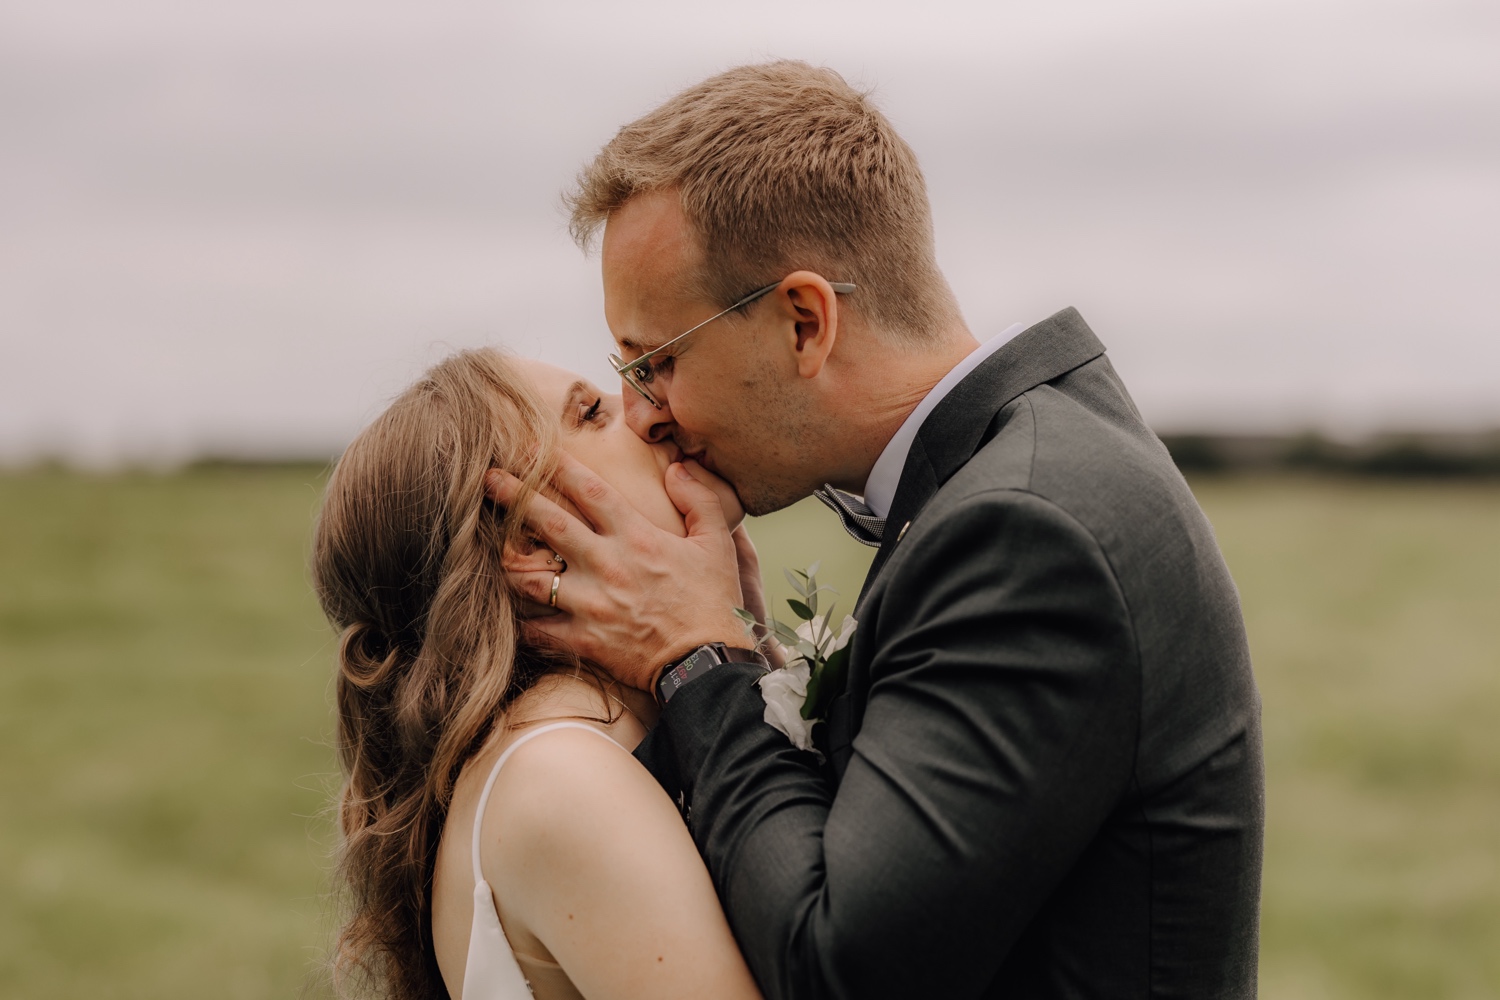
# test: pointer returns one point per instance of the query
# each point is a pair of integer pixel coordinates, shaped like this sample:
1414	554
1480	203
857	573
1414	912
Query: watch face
696	662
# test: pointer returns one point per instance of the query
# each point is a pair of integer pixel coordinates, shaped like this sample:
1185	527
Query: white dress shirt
880	488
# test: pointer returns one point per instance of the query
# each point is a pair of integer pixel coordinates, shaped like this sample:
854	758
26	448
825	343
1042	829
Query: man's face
730	394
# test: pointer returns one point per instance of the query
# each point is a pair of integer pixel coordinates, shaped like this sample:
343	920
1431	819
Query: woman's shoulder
568	744
592	867
558	775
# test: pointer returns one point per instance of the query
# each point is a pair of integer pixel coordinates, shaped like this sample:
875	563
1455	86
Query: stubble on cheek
771	430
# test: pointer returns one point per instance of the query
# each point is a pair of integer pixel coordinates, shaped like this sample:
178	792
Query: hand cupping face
592	429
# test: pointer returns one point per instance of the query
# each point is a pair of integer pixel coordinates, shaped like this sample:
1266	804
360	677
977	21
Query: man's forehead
649	231
648	251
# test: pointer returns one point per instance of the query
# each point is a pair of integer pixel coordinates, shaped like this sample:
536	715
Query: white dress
492	970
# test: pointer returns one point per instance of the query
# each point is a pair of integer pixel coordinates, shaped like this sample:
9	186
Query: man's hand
753	595
634	597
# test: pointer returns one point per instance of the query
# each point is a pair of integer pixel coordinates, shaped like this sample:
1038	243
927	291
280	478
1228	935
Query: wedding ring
556	581
562	564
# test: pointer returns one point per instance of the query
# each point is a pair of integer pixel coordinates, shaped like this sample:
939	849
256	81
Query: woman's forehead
552	382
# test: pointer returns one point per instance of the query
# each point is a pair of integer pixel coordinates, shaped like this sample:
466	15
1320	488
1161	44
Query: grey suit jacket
1044	776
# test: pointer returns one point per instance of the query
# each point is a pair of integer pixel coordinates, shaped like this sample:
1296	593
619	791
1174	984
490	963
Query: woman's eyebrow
578	388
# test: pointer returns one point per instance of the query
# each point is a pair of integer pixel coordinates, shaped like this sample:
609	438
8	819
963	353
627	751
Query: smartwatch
700	661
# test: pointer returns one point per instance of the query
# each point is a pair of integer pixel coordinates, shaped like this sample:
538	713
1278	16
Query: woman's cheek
637	483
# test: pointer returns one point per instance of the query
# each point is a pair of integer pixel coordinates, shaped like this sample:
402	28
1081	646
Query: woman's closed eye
587	407
592	413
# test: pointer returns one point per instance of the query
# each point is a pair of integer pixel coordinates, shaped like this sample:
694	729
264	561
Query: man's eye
643	372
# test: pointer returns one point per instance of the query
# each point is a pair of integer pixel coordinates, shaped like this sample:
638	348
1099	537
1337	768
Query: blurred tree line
1472	455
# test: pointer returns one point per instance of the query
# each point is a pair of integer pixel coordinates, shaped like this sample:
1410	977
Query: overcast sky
241	227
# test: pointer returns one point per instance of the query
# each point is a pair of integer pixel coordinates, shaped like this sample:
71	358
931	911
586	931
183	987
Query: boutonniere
797	695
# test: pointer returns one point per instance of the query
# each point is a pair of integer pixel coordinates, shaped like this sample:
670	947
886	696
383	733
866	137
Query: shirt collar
885	475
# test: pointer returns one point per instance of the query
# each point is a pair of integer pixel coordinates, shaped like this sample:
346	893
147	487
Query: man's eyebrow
631	344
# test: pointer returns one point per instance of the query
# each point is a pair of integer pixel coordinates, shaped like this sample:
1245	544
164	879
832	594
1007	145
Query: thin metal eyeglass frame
639	373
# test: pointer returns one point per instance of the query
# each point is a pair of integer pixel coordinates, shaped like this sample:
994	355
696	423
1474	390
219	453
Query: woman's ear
528	555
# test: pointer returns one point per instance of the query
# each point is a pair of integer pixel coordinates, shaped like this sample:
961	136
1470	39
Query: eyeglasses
640	373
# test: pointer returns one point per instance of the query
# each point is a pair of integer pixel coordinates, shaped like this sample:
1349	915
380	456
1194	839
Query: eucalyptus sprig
814	641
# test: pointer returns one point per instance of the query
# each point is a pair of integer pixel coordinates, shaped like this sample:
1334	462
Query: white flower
839	641
784	692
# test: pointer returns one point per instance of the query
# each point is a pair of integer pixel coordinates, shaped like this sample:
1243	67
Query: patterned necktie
855	515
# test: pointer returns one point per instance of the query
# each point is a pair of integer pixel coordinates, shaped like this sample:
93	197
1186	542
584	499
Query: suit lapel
960	424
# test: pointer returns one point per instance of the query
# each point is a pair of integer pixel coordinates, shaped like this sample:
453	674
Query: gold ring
556	581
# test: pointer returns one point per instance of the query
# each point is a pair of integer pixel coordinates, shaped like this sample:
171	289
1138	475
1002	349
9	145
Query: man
1044	777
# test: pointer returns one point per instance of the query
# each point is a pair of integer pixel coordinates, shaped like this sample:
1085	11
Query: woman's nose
650	424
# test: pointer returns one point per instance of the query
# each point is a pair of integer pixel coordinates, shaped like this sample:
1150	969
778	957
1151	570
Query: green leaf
803	611
797	584
812	570
746	616
826	684
807	649
812	603
814	697
787	635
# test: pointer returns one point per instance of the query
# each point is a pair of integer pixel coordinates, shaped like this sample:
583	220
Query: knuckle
593	489
555	523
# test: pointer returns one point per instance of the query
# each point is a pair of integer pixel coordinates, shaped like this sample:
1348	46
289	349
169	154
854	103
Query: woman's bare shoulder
592	865
555	782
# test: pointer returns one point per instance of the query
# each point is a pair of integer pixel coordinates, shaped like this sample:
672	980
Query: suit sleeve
998	735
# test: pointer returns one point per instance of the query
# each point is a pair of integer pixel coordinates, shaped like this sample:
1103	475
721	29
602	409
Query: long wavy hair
406	562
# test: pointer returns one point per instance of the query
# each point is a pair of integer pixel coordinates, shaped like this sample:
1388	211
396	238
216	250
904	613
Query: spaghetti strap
491	969
484	797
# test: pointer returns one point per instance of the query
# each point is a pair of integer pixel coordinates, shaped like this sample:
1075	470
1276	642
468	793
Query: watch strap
700	661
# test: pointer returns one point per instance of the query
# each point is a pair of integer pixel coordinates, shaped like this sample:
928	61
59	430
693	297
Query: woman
595	881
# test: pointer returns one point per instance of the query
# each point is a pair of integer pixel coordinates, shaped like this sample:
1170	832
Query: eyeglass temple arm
839	287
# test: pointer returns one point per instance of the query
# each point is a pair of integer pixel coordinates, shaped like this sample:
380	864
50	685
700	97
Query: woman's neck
624	713
637	702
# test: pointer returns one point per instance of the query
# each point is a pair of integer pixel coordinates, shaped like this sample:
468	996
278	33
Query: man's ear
812	307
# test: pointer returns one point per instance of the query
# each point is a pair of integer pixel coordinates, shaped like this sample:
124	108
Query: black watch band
700	661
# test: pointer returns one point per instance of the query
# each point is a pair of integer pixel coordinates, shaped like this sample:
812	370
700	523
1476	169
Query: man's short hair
783	166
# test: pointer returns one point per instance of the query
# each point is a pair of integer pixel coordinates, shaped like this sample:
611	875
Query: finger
744	550
728	499
558	630
536	588
559	529
600	502
699	506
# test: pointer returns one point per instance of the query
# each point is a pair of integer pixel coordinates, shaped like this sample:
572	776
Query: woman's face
593	430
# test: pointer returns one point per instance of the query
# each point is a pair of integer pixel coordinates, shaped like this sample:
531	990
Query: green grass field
164	730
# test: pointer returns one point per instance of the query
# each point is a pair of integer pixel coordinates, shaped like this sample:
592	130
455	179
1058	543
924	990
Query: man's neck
892	381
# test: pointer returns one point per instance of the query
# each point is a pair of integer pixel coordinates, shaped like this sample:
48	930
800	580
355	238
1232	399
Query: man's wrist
698	661
730	632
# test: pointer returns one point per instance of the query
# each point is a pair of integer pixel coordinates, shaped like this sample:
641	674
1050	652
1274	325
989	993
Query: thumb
698	504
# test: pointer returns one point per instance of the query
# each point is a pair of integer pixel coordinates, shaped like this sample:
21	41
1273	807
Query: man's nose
650	424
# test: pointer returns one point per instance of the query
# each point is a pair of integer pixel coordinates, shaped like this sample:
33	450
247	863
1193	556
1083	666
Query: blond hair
783	166
407	564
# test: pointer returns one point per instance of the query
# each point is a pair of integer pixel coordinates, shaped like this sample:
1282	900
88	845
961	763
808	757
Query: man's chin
758	503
